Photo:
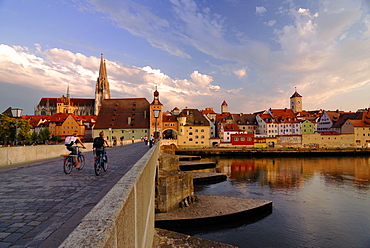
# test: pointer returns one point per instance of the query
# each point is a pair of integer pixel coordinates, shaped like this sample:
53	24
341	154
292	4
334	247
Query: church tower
224	107
102	86
156	110
296	102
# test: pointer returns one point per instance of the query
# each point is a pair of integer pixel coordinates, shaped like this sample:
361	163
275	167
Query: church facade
78	106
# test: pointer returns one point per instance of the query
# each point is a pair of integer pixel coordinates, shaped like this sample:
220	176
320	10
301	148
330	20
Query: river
317	202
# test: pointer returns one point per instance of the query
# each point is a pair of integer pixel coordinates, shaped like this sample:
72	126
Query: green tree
34	136
8	128
44	134
24	129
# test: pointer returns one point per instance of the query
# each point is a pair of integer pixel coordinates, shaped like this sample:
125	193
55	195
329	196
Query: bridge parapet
125	216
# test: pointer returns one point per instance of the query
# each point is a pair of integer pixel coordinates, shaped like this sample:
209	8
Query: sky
253	54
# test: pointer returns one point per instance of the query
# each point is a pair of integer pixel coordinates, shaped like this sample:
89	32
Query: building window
196	137
191	139
202	137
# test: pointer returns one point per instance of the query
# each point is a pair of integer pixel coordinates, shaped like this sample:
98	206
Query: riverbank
274	152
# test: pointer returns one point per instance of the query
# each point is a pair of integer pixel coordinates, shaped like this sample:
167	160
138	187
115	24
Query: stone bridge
41	206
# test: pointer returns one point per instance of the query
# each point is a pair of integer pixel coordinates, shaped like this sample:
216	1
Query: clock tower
296	102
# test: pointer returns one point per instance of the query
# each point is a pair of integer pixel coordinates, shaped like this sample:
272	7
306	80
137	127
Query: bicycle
100	162
69	161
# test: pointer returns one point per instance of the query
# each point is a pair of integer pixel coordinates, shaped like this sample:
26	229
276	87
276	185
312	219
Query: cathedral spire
102	90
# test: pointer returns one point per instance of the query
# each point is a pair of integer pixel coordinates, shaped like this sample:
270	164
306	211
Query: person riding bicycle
70	141
98	144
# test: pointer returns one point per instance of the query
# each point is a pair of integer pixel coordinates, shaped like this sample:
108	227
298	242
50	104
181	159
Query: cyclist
70	141
99	144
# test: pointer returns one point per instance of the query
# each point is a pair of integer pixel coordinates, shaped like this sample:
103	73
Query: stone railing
125	216
22	154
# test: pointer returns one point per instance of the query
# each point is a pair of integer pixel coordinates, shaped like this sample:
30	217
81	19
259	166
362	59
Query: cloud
240	73
140	21
61	68
260	10
270	23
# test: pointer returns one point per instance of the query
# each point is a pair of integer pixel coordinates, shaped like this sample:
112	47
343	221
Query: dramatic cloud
60	69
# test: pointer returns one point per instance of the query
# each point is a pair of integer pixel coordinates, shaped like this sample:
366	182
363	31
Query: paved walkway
40	205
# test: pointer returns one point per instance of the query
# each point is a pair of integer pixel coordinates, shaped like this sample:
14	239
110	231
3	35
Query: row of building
136	118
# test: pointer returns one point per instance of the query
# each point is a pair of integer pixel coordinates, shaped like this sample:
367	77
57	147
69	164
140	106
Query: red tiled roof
231	127
208	111
284	115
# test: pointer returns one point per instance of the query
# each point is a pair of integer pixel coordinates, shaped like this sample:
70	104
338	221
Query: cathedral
78	106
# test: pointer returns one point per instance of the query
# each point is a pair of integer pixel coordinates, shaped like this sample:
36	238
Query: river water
317	202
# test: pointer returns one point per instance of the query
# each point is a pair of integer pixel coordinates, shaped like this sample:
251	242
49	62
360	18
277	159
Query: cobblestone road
40	205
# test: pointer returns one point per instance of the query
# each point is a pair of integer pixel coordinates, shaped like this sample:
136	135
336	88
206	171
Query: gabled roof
194	117
244	119
224	103
284	115
123	114
223	117
334	115
266	117
345	116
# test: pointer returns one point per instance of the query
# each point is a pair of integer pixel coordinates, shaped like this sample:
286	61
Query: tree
44	134
8	128
34	136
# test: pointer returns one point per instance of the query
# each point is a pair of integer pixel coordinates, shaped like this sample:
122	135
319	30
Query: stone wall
174	187
21	154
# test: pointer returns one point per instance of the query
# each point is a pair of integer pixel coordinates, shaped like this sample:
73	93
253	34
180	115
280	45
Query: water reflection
293	172
317	202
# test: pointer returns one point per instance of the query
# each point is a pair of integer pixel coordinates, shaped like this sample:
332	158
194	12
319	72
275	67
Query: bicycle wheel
97	166
105	162
67	165
81	160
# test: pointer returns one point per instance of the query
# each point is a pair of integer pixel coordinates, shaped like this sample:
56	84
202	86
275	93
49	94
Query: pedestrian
121	139
151	141
133	140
